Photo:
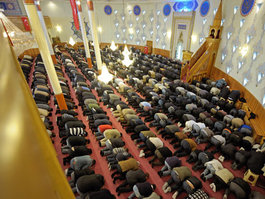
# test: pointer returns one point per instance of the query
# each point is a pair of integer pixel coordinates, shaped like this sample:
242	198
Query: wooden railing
29	164
201	68
254	105
33	52
17	21
157	51
195	57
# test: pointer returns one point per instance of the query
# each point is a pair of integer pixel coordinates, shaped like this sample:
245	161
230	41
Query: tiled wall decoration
246	7
137	10
167	9
242	46
10	7
185	5
204	8
108	9
135	23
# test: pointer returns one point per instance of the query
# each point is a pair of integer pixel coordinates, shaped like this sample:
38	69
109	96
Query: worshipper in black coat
89	183
132	177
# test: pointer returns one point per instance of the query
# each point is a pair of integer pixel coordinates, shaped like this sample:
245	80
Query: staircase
203	60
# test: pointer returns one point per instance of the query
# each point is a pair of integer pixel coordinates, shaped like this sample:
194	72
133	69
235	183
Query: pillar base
61	102
54	59
89	63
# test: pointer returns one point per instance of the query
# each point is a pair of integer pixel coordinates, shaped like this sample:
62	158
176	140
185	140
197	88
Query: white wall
61	14
141	25
251	69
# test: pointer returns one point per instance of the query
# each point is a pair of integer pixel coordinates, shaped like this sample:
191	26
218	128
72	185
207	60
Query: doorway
182	27
179	47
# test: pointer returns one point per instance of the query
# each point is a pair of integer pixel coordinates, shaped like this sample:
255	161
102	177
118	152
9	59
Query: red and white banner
25	21
75	15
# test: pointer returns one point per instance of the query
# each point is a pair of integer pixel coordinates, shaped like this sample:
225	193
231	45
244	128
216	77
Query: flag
25	21
75	16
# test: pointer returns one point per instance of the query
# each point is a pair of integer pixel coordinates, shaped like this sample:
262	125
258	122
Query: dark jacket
101	194
205	156
145	189
89	183
101	121
256	161
234	95
219	126
187	117
196	184
188	145
100	116
135	122
228	151
140	128
235	138
69	112
173	161
82	172
240	188
122	155
71	124
150	145
256	195
172	129
67	119
133	177
80	151
76	141
165	152
116	142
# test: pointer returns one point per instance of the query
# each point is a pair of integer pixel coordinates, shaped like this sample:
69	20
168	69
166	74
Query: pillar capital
39	35
29	1
37	3
83	31
79	7
90	5
93	25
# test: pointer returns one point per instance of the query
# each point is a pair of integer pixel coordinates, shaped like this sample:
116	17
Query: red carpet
227	164
101	166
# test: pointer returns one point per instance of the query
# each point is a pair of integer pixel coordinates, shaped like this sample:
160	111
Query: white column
44	51
93	25
155	30
43	25
83	31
